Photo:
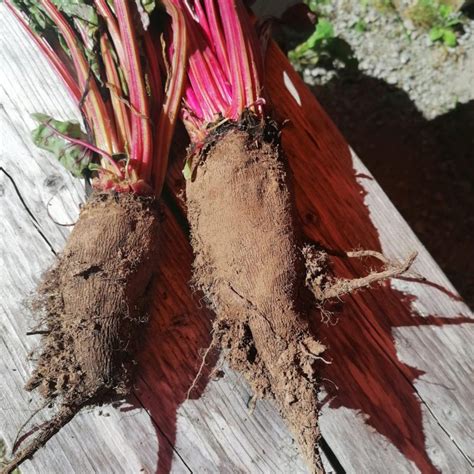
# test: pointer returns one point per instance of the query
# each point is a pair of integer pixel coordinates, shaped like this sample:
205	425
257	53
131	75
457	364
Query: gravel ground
435	77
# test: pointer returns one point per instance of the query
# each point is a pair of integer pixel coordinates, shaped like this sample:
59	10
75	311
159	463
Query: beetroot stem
116	94
142	144
94	105
104	10
225	66
173	93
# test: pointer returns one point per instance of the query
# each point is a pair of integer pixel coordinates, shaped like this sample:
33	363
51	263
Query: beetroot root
250	267
94	300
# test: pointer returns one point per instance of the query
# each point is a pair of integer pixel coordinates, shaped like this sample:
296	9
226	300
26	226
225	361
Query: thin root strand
344	286
65	414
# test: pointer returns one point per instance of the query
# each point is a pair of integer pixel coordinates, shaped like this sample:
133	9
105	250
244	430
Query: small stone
392	79
408	24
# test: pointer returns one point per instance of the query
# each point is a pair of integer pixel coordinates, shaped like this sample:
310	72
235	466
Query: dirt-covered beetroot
95	296
95	302
250	259
250	266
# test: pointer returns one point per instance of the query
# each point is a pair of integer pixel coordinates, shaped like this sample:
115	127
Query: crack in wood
28	210
329	453
157	427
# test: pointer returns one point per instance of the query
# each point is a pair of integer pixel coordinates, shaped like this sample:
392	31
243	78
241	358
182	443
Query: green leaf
74	157
445	10
187	170
436	33
148	5
360	26
324	30
449	38
453	21
78	9
37	19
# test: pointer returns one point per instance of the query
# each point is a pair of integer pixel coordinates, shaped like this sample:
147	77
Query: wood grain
398	389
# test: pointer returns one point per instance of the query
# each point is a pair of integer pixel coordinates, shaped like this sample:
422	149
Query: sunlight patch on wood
291	88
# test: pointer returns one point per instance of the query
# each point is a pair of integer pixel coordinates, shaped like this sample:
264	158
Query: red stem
95	110
104	10
173	93
225	65
116	94
142	144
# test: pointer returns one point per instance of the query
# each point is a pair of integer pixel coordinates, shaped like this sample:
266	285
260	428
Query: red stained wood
365	374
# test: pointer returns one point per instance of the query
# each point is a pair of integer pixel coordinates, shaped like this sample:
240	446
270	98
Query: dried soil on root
94	301
249	265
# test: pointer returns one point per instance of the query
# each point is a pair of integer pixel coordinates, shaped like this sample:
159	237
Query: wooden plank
93	440
215	432
342	207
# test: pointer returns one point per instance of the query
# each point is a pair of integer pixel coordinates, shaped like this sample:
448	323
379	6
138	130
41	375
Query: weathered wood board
397	395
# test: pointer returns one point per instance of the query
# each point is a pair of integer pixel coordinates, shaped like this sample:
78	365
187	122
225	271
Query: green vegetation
315	45
323	47
360	26
383	6
441	18
438	17
314	5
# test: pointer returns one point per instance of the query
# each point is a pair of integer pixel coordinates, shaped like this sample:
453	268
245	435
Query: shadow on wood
424	166
178	334
366	374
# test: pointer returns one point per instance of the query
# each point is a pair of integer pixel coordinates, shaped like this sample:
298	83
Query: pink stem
89	146
142	144
218	39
